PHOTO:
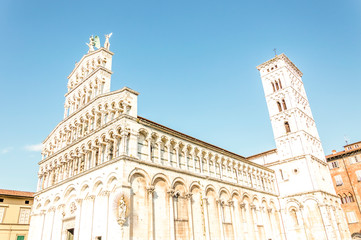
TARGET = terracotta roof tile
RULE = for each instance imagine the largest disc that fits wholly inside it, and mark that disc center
(16, 193)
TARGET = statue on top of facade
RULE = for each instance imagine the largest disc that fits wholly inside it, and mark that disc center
(91, 44)
(107, 44)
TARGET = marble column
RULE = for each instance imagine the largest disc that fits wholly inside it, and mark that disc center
(150, 191)
(190, 219)
(171, 213)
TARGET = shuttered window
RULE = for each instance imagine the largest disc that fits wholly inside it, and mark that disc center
(358, 174)
(24, 216)
(338, 180)
(351, 217)
(2, 213)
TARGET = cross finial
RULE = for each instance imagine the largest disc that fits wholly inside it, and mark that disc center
(275, 50)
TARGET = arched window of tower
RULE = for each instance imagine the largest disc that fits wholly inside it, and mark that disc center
(294, 218)
(273, 87)
(279, 81)
(284, 104)
(277, 87)
(279, 106)
(287, 127)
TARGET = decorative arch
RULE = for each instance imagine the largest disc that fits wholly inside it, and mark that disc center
(141, 172)
(160, 176)
(179, 180)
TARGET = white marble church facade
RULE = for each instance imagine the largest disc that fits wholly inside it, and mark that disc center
(107, 173)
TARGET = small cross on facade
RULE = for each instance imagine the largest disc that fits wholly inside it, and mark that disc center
(275, 50)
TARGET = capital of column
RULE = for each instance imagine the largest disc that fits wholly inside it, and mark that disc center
(90, 197)
(189, 195)
(242, 205)
(220, 202)
(150, 190)
(230, 203)
(61, 206)
(171, 192)
(124, 133)
(52, 209)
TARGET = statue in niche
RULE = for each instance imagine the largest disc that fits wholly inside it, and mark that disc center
(107, 44)
(122, 210)
(91, 44)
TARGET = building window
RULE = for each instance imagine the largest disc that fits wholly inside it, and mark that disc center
(27, 202)
(2, 214)
(279, 106)
(279, 81)
(284, 104)
(342, 200)
(287, 127)
(1, 200)
(350, 197)
(273, 87)
(351, 217)
(24, 216)
(334, 165)
(358, 174)
(338, 180)
(353, 159)
(277, 87)
(281, 173)
(20, 237)
(70, 234)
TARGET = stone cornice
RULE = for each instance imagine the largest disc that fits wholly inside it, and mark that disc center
(293, 109)
(283, 57)
(87, 55)
(91, 74)
(299, 131)
(309, 192)
(279, 162)
(342, 154)
(88, 104)
(200, 143)
(151, 164)
(262, 153)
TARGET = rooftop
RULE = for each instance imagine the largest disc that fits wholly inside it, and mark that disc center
(16, 193)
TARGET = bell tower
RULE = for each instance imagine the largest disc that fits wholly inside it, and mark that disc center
(301, 159)
(304, 181)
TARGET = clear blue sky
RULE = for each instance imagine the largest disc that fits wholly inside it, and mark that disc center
(193, 62)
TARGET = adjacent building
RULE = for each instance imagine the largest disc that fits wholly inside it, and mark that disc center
(345, 168)
(108, 173)
(15, 209)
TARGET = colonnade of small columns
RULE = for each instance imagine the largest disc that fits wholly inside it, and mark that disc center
(260, 214)
(83, 72)
(200, 160)
(84, 158)
(83, 125)
(83, 96)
